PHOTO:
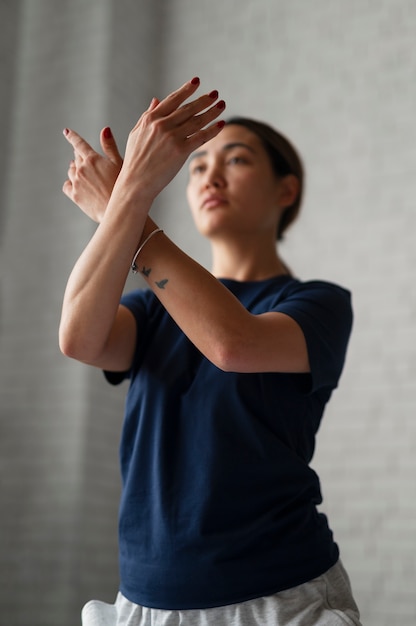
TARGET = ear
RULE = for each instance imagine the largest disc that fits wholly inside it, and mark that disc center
(288, 190)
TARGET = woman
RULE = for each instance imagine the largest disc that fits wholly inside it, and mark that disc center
(229, 371)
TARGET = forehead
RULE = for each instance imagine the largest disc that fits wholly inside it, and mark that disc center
(231, 136)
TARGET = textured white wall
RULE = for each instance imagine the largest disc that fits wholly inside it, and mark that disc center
(84, 64)
(338, 78)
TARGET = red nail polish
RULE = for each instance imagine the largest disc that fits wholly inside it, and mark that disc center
(220, 104)
(213, 94)
(107, 133)
(195, 81)
(221, 124)
(66, 131)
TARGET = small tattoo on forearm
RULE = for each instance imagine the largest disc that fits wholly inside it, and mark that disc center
(161, 283)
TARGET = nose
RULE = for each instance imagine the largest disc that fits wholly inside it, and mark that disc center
(214, 178)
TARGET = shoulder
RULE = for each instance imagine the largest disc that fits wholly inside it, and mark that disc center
(318, 287)
(318, 294)
(324, 312)
(283, 292)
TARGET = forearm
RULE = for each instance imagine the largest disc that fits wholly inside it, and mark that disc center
(215, 321)
(96, 283)
(157, 148)
(208, 313)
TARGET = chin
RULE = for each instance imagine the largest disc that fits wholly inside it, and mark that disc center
(216, 221)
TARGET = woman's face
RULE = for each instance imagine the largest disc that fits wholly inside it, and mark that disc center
(232, 187)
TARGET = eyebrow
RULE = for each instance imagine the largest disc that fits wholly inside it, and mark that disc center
(228, 146)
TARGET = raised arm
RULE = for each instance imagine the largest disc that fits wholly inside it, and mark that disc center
(94, 328)
(214, 320)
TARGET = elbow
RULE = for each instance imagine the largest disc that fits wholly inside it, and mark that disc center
(69, 347)
(226, 356)
(65, 342)
(72, 344)
(229, 349)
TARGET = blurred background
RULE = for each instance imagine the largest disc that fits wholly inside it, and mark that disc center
(339, 79)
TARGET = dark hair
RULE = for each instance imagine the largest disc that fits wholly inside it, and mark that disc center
(284, 159)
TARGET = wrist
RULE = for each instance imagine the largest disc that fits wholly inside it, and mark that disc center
(148, 227)
(143, 242)
(132, 190)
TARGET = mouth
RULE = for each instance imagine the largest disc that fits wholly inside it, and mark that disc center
(213, 201)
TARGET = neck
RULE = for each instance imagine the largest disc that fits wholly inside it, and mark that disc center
(246, 262)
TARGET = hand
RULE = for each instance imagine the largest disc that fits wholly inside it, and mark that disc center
(91, 176)
(164, 137)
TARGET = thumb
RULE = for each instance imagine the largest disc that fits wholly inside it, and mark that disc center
(109, 146)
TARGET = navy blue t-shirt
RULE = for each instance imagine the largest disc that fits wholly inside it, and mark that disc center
(219, 502)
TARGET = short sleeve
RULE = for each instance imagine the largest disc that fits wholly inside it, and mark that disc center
(324, 312)
(137, 302)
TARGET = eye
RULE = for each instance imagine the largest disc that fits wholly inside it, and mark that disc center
(197, 168)
(237, 160)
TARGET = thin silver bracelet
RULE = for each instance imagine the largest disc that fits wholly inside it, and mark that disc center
(133, 265)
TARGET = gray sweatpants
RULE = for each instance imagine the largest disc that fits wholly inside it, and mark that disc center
(323, 601)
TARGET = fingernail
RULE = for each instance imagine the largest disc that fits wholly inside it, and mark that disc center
(221, 124)
(220, 104)
(195, 81)
(213, 94)
(107, 133)
(65, 131)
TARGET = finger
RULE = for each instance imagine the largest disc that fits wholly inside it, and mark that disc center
(198, 122)
(154, 103)
(67, 188)
(176, 98)
(199, 138)
(109, 146)
(192, 109)
(209, 116)
(77, 142)
(71, 171)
